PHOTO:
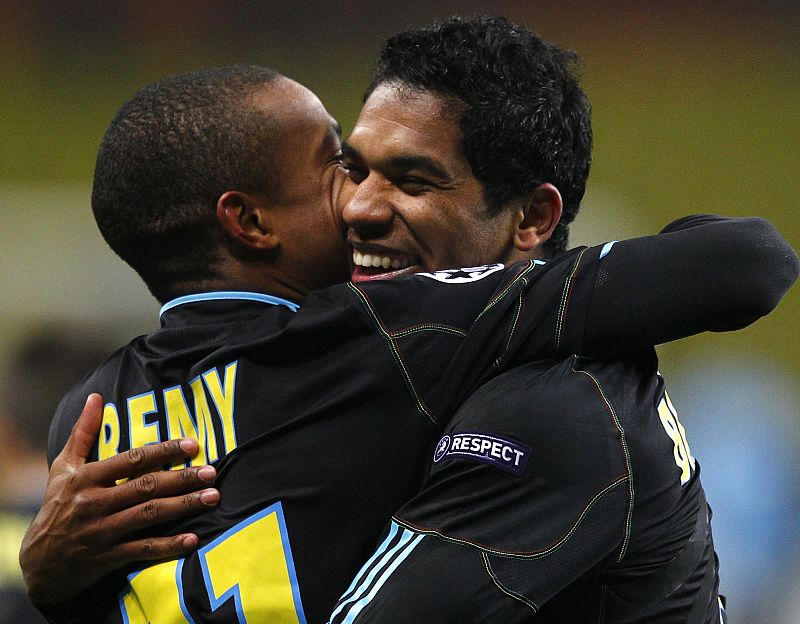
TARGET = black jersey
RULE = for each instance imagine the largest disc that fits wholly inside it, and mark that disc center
(560, 492)
(320, 420)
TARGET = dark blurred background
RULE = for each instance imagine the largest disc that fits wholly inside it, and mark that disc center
(696, 108)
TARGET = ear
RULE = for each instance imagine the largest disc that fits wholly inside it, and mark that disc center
(245, 219)
(538, 217)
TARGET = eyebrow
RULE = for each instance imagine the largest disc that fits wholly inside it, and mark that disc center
(334, 134)
(403, 162)
(350, 151)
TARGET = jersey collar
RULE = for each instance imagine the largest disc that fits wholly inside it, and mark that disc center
(229, 295)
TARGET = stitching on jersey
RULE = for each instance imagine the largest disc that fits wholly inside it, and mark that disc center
(603, 591)
(513, 328)
(519, 278)
(503, 588)
(398, 358)
(445, 329)
(562, 308)
(517, 555)
(626, 453)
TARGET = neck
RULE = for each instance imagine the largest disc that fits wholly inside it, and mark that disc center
(259, 277)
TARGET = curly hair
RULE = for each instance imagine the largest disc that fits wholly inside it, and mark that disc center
(525, 119)
(169, 153)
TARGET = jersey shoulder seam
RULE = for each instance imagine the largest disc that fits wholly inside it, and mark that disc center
(395, 353)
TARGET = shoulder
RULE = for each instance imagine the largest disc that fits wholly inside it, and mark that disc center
(537, 446)
(461, 292)
(549, 401)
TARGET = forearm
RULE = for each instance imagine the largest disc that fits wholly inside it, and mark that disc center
(702, 273)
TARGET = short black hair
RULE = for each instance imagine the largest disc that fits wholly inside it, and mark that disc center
(526, 120)
(169, 153)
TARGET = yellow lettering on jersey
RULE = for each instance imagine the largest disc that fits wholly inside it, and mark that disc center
(205, 426)
(675, 430)
(142, 432)
(182, 421)
(223, 399)
(108, 444)
(180, 424)
(252, 563)
(153, 596)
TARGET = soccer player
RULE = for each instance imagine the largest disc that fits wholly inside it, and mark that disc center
(292, 455)
(563, 489)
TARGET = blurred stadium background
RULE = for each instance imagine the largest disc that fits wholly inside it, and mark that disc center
(696, 108)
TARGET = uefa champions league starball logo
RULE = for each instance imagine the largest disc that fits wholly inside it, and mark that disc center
(441, 448)
(462, 276)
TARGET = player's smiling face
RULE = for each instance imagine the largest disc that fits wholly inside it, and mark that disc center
(411, 202)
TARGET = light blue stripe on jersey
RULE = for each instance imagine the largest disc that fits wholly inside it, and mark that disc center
(390, 558)
(230, 295)
(408, 546)
(346, 595)
(606, 248)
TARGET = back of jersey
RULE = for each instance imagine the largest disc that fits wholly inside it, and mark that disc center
(320, 423)
(294, 436)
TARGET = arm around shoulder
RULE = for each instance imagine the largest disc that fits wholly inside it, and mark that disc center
(759, 259)
(770, 265)
(701, 273)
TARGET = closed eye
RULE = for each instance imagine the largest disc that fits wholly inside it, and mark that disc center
(413, 185)
(354, 172)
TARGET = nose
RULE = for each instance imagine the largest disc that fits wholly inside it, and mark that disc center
(368, 210)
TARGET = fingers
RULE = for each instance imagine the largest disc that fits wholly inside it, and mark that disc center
(85, 431)
(157, 485)
(157, 511)
(138, 461)
(151, 549)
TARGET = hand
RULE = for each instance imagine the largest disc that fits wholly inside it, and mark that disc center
(84, 528)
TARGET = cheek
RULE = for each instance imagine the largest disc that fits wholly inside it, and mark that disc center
(448, 235)
(341, 191)
(325, 256)
(344, 191)
(474, 240)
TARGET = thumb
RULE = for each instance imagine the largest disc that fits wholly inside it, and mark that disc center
(85, 431)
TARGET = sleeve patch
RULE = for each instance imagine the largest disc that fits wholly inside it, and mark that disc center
(503, 453)
(606, 248)
(464, 275)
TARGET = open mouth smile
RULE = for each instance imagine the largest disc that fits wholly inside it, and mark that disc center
(376, 265)
(367, 260)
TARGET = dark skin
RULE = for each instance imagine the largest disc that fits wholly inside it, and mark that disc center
(411, 201)
(269, 249)
(89, 519)
(82, 500)
(399, 193)
(286, 242)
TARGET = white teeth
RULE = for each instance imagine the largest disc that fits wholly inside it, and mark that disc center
(375, 261)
